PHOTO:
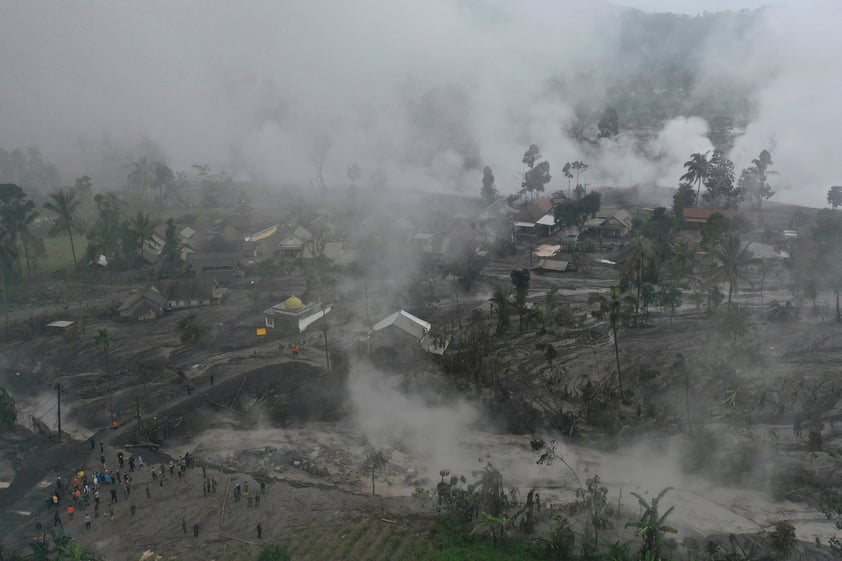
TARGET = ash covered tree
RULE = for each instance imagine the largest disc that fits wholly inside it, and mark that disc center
(520, 281)
(501, 302)
(354, 174)
(568, 173)
(141, 176)
(214, 185)
(685, 197)
(8, 411)
(162, 178)
(489, 193)
(537, 173)
(171, 252)
(753, 182)
(610, 306)
(579, 167)
(140, 228)
(735, 262)
(17, 214)
(8, 256)
(609, 123)
(374, 462)
(110, 235)
(720, 191)
(762, 163)
(834, 196)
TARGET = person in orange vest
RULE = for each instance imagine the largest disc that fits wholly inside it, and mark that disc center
(70, 511)
(114, 424)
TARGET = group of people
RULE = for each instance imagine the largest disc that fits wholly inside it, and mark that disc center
(252, 500)
(81, 489)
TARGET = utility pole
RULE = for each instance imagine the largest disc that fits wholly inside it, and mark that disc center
(139, 421)
(365, 290)
(58, 394)
(324, 335)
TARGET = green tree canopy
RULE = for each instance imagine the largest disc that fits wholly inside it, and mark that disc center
(834, 196)
(8, 412)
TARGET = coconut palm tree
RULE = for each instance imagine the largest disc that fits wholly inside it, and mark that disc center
(64, 205)
(8, 255)
(162, 176)
(27, 218)
(735, 261)
(142, 227)
(684, 255)
(18, 218)
(698, 170)
(610, 305)
(501, 300)
(642, 259)
(101, 340)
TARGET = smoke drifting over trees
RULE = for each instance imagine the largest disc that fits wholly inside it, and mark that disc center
(429, 93)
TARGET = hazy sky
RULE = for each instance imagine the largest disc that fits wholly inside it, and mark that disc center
(694, 6)
(426, 92)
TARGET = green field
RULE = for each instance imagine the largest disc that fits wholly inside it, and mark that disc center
(59, 255)
(379, 540)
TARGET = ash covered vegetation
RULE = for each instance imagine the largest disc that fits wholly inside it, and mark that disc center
(541, 281)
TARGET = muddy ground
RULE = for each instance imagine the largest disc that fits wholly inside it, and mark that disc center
(719, 427)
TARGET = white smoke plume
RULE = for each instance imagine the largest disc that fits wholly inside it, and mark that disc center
(427, 92)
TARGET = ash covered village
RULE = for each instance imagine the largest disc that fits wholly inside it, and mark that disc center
(611, 334)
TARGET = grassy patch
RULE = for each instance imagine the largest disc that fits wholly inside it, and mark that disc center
(448, 542)
(59, 255)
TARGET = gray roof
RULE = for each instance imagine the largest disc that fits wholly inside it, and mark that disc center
(404, 321)
(552, 265)
(151, 295)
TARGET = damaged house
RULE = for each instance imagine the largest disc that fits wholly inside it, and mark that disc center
(143, 305)
(402, 330)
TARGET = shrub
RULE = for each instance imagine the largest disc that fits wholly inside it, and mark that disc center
(8, 412)
(783, 538)
(274, 552)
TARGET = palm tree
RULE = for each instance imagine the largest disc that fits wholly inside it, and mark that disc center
(25, 219)
(684, 255)
(734, 263)
(142, 227)
(501, 301)
(609, 305)
(101, 340)
(64, 205)
(642, 259)
(698, 170)
(162, 176)
(8, 255)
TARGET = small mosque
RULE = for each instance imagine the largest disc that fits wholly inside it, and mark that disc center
(293, 315)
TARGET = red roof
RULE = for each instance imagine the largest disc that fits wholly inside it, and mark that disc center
(704, 214)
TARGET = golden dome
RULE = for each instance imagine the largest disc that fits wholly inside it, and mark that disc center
(293, 303)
